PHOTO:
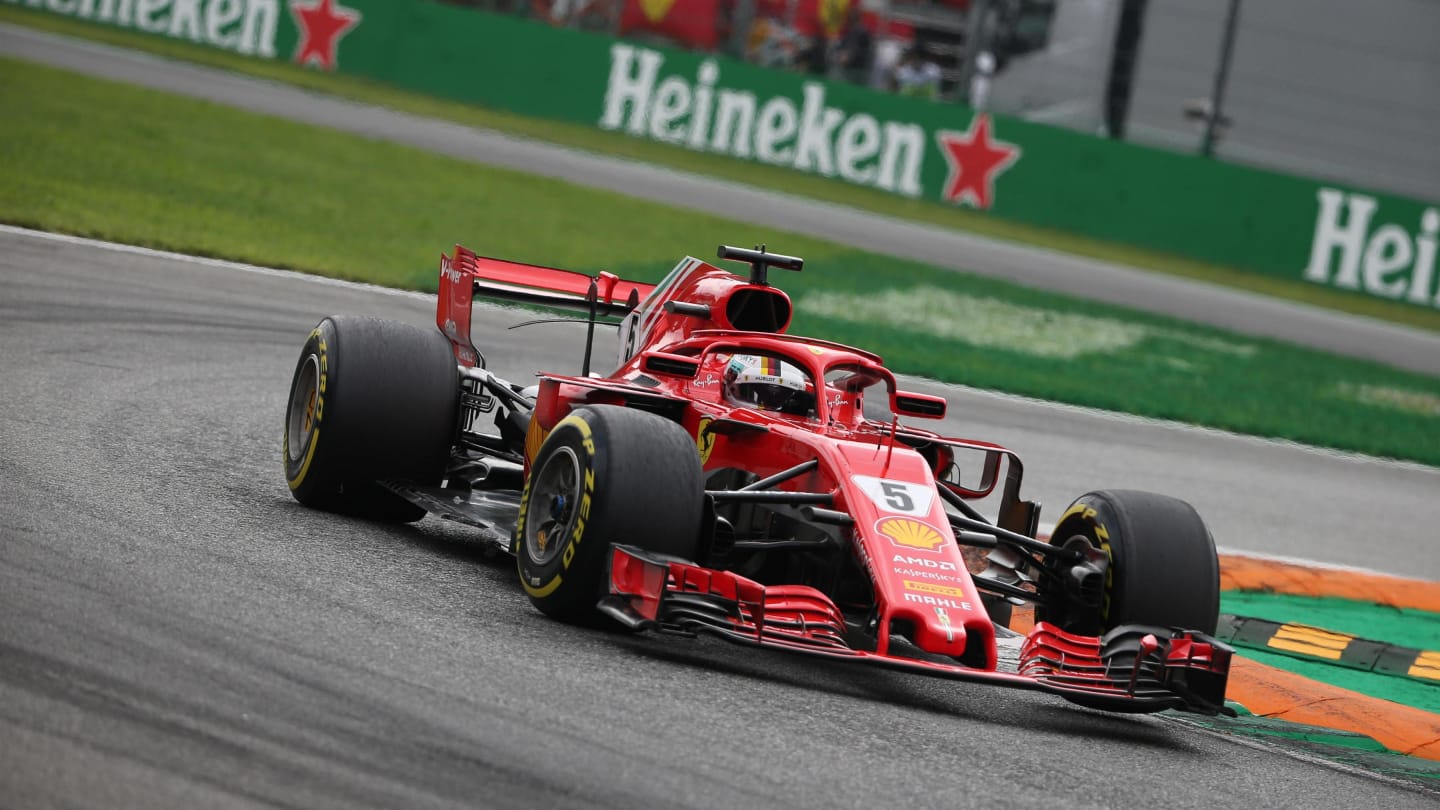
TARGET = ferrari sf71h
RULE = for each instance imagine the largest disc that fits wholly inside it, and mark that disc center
(728, 478)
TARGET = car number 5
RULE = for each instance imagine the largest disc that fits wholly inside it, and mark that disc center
(897, 496)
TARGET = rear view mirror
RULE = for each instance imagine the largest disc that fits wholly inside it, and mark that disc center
(923, 406)
(972, 472)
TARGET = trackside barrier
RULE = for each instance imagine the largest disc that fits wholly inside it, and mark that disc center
(1276, 224)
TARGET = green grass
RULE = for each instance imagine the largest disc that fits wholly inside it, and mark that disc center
(86, 156)
(793, 182)
(139, 166)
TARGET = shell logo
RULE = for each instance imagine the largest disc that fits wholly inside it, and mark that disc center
(910, 533)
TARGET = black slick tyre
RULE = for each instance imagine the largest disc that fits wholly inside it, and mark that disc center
(370, 399)
(604, 475)
(1162, 571)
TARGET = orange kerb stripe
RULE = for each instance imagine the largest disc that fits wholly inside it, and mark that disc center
(1272, 692)
(1022, 618)
(1238, 573)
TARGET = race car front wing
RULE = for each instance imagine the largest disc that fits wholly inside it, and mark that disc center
(1132, 668)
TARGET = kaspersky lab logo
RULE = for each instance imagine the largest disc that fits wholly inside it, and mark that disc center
(1385, 259)
(241, 26)
(806, 134)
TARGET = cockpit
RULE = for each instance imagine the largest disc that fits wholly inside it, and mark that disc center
(763, 379)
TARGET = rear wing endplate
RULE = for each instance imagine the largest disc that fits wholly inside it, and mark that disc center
(467, 274)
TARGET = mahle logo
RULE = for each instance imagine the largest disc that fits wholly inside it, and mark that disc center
(810, 136)
(1388, 260)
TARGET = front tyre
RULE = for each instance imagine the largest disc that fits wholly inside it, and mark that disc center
(370, 399)
(1162, 567)
(604, 475)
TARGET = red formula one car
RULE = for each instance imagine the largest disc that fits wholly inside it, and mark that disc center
(726, 479)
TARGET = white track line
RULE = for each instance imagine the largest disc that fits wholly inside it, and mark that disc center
(1301, 562)
(223, 264)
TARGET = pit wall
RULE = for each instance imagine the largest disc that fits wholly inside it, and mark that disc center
(1275, 224)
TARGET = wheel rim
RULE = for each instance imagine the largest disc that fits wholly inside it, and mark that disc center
(554, 494)
(1071, 613)
(304, 399)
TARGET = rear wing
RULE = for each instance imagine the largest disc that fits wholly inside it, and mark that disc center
(465, 275)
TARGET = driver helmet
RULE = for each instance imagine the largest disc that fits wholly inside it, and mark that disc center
(759, 381)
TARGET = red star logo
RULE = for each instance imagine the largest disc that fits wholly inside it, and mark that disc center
(975, 161)
(321, 27)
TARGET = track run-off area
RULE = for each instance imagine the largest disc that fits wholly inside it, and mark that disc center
(178, 632)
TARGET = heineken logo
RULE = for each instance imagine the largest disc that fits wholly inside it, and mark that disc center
(1352, 250)
(241, 26)
(807, 133)
(704, 115)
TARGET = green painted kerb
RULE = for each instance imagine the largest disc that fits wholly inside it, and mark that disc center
(1414, 629)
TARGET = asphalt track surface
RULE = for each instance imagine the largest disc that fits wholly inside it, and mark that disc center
(177, 632)
(1403, 347)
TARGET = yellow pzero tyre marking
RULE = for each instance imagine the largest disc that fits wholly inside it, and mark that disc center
(1104, 535)
(1089, 515)
(582, 426)
(587, 439)
(542, 591)
(1081, 509)
(309, 454)
(314, 411)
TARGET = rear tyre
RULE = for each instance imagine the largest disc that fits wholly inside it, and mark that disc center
(370, 399)
(604, 475)
(1162, 571)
